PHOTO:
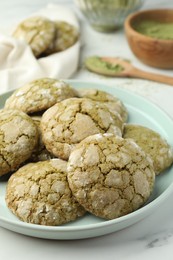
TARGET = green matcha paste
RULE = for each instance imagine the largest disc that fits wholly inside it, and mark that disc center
(96, 63)
(154, 29)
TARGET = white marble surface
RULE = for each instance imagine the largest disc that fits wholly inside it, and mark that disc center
(151, 238)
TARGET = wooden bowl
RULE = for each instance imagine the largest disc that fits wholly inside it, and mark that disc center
(151, 51)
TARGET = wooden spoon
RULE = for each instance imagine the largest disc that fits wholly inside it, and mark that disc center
(128, 70)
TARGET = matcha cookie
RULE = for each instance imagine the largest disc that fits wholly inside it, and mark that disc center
(110, 176)
(66, 36)
(153, 144)
(38, 32)
(68, 122)
(39, 193)
(113, 103)
(38, 95)
(18, 139)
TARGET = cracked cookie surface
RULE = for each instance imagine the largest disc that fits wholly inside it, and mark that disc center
(68, 122)
(66, 35)
(18, 139)
(153, 144)
(110, 176)
(39, 193)
(112, 102)
(38, 95)
(38, 32)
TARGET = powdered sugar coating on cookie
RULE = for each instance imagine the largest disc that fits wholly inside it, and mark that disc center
(113, 103)
(39, 95)
(68, 122)
(38, 32)
(110, 176)
(66, 35)
(39, 193)
(18, 139)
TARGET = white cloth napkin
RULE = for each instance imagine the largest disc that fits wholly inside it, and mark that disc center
(18, 64)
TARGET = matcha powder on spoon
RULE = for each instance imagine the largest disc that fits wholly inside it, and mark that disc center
(95, 63)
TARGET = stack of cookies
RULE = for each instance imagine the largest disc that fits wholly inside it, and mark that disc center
(72, 151)
(45, 36)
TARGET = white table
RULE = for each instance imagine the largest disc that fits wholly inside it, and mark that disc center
(151, 238)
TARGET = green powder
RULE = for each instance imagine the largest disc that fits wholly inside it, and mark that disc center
(154, 29)
(96, 63)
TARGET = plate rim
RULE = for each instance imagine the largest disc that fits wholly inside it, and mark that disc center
(144, 209)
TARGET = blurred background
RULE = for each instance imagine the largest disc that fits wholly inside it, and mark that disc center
(18, 9)
(92, 42)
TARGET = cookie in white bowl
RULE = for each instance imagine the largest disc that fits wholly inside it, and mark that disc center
(38, 32)
(66, 36)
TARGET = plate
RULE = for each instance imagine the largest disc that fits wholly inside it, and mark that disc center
(142, 112)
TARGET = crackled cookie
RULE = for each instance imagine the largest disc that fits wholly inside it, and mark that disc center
(112, 102)
(66, 36)
(39, 193)
(40, 153)
(110, 176)
(38, 95)
(18, 139)
(153, 144)
(68, 122)
(38, 32)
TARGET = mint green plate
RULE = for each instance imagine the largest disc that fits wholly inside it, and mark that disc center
(142, 112)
